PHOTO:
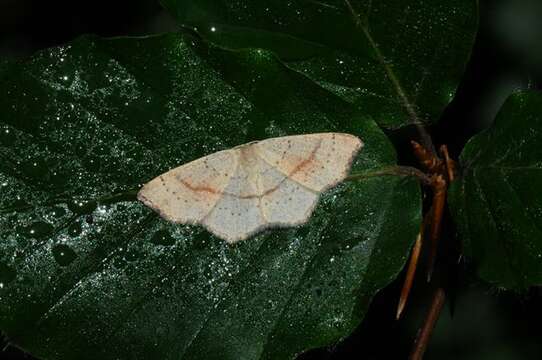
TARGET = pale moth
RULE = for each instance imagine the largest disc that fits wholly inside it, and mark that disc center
(238, 192)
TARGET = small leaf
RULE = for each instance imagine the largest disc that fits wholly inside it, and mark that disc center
(110, 279)
(497, 202)
(398, 61)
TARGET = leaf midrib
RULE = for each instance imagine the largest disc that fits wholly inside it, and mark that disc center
(407, 104)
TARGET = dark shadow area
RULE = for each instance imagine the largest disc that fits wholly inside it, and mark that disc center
(30, 25)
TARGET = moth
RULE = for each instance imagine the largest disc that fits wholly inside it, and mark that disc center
(239, 192)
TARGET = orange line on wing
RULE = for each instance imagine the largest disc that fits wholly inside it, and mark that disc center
(199, 188)
(307, 161)
(298, 168)
(214, 191)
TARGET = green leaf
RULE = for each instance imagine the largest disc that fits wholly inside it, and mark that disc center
(497, 202)
(398, 61)
(4, 67)
(88, 272)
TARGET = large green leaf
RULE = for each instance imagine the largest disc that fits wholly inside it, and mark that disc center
(399, 61)
(4, 64)
(88, 272)
(497, 202)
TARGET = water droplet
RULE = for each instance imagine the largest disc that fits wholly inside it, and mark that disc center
(75, 229)
(58, 211)
(162, 237)
(318, 292)
(161, 331)
(120, 260)
(19, 203)
(131, 255)
(7, 137)
(201, 240)
(7, 274)
(57, 178)
(92, 162)
(39, 229)
(36, 168)
(63, 254)
(303, 231)
(82, 206)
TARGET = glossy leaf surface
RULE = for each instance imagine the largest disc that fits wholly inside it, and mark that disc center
(398, 61)
(88, 272)
(497, 202)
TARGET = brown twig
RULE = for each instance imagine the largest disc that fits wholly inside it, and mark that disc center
(441, 172)
(412, 265)
(450, 164)
(439, 186)
(424, 335)
(429, 161)
(411, 270)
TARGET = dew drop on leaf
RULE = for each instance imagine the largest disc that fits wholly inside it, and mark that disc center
(92, 163)
(7, 136)
(75, 229)
(18, 203)
(63, 254)
(303, 231)
(36, 168)
(120, 262)
(131, 255)
(58, 211)
(7, 275)
(39, 229)
(82, 206)
(318, 292)
(162, 237)
(57, 179)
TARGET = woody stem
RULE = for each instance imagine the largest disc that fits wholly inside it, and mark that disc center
(439, 298)
(439, 186)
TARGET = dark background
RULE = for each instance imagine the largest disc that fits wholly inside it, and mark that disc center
(487, 323)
